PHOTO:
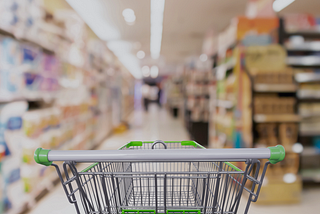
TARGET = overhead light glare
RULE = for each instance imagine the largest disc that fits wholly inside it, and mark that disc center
(157, 10)
(129, 16)
(203, 57)
(93, 13)
(141, 54)
(145, 71)
(154, 72)
(279, 5)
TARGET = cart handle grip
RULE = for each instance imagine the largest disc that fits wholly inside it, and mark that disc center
(41, 156)
(277, 154)
(274, 154)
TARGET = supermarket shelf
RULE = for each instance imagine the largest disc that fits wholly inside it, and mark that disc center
(36, 43)
(309, 133)
(47, 98)
(310, 175)
(265, 118)
(223, 68)
(307, 46)
(224, 103)
(309, 151)
(308, 115)
(47, 184)
(311, 34)
(303, 60)
(275, 87)
(307, 77)
(308, 95)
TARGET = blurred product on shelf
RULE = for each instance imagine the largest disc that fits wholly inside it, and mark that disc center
(255, 103)
(272, 104)
(300, 36)
(174, 97)
(60, 88)
(197, 84)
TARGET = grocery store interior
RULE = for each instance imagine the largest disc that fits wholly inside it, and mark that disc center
(101, 75)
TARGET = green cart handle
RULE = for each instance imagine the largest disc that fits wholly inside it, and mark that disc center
(274, 154)
(277, 154)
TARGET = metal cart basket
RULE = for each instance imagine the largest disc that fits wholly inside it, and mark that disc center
(161, 177)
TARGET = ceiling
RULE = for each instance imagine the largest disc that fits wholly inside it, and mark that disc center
(303, 6)
(184, 26)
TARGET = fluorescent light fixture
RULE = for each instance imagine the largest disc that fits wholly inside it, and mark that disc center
(154, 71)
(203, 57)
(145, 71)
(278, 5)
(122, 50)
(157, 10)
(94, 14)
(141, 54)
(129, 16)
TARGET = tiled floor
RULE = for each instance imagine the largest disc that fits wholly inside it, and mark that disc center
(160, 125)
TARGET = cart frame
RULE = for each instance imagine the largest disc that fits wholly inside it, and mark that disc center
(151, 182)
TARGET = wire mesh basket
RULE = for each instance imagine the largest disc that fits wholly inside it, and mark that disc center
(160, 177)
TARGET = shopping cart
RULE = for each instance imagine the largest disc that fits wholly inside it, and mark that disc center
(160, 177)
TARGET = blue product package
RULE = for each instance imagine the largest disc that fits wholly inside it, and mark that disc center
(316, 143)
(10, 52)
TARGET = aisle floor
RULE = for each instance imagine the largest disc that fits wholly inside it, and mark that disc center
(158, 124)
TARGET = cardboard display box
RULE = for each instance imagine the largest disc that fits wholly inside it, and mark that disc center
(277, 191)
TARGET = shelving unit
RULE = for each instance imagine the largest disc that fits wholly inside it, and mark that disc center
(197, 85)
(304, 57)
(255, 105)
(274, 87)
(68, 103)
(276, 118)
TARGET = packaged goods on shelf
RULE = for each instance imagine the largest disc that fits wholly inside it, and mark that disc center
(271, 104)
(273, 78)
(11, 143)
(309, 109)
(300, 22)
(309, 90)
(258, 58)
(49, 65)
(267, 134)
(288, 134)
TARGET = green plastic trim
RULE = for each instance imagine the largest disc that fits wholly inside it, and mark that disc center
(134, 143)
(183, 211)
(233, 166)
(41, 156)
(89, 167)
(189, 143)
(277, 154)
(137, 211)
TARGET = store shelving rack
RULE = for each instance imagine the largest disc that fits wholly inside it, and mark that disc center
(301, 57)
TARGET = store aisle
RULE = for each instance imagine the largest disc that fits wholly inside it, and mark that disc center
(156, 124)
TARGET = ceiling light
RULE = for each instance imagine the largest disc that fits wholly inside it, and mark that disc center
(93, 13)
(203, 57)
(141, 54)
(157, 9)
(278, 5)
(129, 16)
(145, 71)
(154, 72)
